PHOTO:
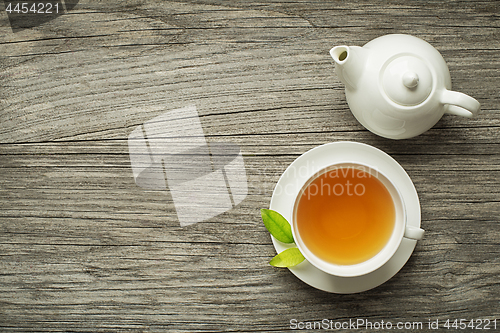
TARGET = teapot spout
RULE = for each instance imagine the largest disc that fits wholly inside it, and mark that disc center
(349, 63)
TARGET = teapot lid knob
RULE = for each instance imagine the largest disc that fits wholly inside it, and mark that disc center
(406, 80)
(410, 80)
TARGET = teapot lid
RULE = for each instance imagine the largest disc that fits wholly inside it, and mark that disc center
(407, 80)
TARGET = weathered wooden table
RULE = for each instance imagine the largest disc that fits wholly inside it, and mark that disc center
(83, 248)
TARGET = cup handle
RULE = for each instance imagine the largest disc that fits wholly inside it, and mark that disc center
(413, 233)
(459, 103)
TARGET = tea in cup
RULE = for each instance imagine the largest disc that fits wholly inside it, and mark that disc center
(349, 219)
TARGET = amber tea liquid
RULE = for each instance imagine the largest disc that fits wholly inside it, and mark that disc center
(345, 216)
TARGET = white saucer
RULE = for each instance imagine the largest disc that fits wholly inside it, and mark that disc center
(318, 158)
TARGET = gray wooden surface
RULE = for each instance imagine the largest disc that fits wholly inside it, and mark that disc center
(83, 249)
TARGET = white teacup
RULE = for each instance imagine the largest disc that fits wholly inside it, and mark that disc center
(401, 228)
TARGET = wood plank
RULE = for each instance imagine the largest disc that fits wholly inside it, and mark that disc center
(82, 248)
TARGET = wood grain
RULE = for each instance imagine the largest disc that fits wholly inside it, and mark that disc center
(83, 249)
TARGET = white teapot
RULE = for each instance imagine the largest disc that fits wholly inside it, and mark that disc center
(398, 86)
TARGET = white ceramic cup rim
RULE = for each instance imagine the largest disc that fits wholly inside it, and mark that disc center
(383, 255)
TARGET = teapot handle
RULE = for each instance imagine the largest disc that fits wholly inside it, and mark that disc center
(459, 103)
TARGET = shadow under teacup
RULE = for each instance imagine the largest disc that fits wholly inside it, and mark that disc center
(349, 219)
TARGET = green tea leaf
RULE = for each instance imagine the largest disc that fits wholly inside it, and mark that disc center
(277, 225)
(287, 258)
